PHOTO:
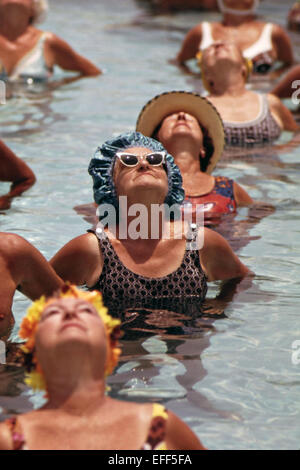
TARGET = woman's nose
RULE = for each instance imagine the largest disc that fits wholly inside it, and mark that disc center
(181, 115)
(218, 44)
(143, 163)
(70, 313)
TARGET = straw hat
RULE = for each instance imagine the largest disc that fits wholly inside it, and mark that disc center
(154, 112)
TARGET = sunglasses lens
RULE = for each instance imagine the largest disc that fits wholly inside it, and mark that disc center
(129, 160)
(154, 158)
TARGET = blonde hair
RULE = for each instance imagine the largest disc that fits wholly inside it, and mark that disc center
(34, 376)
(40, 9)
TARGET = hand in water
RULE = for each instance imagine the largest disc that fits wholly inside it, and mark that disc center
(5, 202)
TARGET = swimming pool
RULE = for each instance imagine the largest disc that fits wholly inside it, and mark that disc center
(232, 380)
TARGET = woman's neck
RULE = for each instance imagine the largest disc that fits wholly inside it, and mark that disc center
(228, 84)
(237, 20)
(186, 153)
(73, 372)
(142, 224)
(85, 398)
(12, 29)
(137, 214)
(187, 162)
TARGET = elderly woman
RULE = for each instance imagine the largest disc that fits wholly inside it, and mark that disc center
(27, 53)
(71, 346)
(249, 117)
(191, 130)
(263, 43)
(144, 261)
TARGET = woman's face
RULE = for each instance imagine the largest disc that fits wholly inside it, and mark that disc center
(69, 321)
(221, 51)
(128, 180)
(221, 58)
(179, 124)
(19, 3)
(17, 8)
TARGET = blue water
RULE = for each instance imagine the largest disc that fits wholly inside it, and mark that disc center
(232, 380)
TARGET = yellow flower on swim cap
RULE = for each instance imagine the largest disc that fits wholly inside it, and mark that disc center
(249, 66)
(35, 377)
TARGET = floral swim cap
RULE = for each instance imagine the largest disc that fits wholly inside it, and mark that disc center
(34, 376)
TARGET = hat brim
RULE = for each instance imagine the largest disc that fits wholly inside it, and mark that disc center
(154, 112)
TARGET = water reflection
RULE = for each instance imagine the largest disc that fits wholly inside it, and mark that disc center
(150, 346)
(30, 108)
(224, 364)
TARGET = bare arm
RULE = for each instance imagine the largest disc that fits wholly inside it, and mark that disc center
(284, 51)
(79, 261)
(241, 197)
(285, 89)
(31, 272)
(65, 57)
(22, 267)
(282, 114)
(15, 170)
(179, 436)
(218, 260)
(282, 45)
(190, 45)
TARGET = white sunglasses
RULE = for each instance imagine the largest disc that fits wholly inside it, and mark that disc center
(131, 160)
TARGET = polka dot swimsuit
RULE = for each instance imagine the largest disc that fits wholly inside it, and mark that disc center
(122, 287)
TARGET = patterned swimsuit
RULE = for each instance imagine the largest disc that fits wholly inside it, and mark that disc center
(155, 438)
(182, 291)
(219, 201)
(262, 130)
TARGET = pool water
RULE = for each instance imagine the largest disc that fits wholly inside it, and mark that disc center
(234, 379)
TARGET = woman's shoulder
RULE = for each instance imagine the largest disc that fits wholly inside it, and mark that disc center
(282, 114)
(164, 429)
(195, 31)
(13, 245)
(277, 30)
(86, 241)
(54, 42)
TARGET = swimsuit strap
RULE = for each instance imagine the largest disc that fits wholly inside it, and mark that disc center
(183, 289)
(33, 63)
(158, 428)
(265, 106)
(262, 45)
(190, 258)
(263, 129)
(17, 435)
(262, 114)
(207, 38)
